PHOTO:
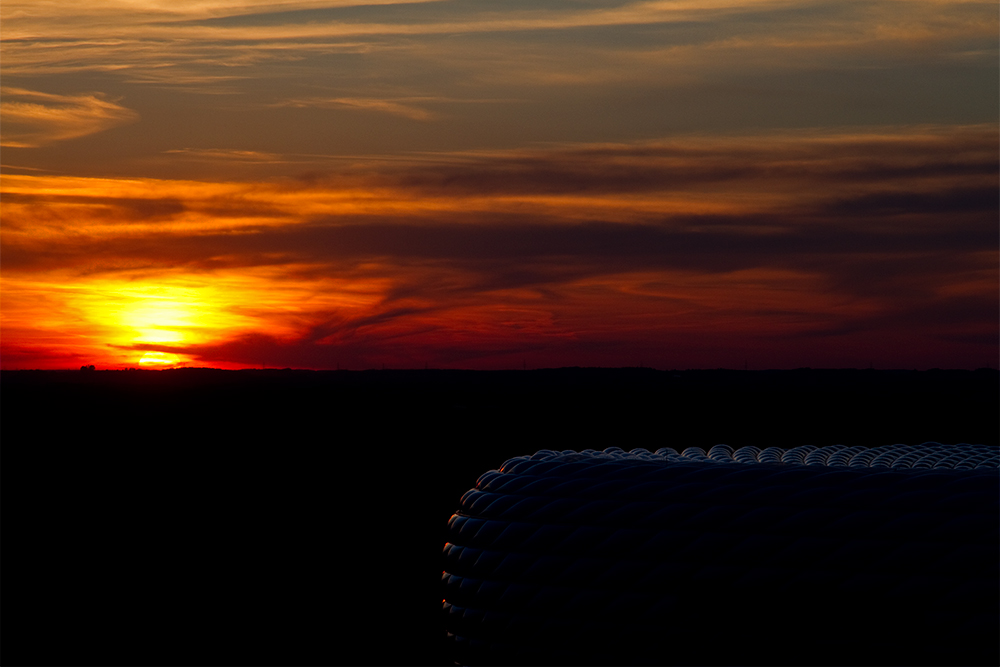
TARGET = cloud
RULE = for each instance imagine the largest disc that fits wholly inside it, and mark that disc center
(833, 237)
(776, 161)
(227, 155)
(720, 204)
(32, 119)
(611, 42)
(396, 107)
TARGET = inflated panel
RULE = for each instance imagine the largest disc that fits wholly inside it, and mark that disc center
(831, 555)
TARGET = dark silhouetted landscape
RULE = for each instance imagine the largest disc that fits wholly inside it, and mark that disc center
(297, 517)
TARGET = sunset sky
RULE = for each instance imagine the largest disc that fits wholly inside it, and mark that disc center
(499, 184)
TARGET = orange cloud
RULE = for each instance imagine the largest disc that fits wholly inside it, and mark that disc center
(797, 249)
(32, 119)
(396, 107)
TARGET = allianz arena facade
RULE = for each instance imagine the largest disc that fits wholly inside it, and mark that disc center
(810, 555)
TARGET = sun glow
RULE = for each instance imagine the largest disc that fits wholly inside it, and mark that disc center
(155, 319)
(159, 360)
(155, 315)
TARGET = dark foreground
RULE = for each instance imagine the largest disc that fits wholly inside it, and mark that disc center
(293, 517)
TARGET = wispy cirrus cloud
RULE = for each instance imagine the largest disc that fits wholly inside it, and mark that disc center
(353, 78)
(227, 155)
(404, 107)
(31, 119)
(139, 37)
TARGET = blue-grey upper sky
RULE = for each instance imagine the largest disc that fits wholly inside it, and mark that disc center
(362, 78)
